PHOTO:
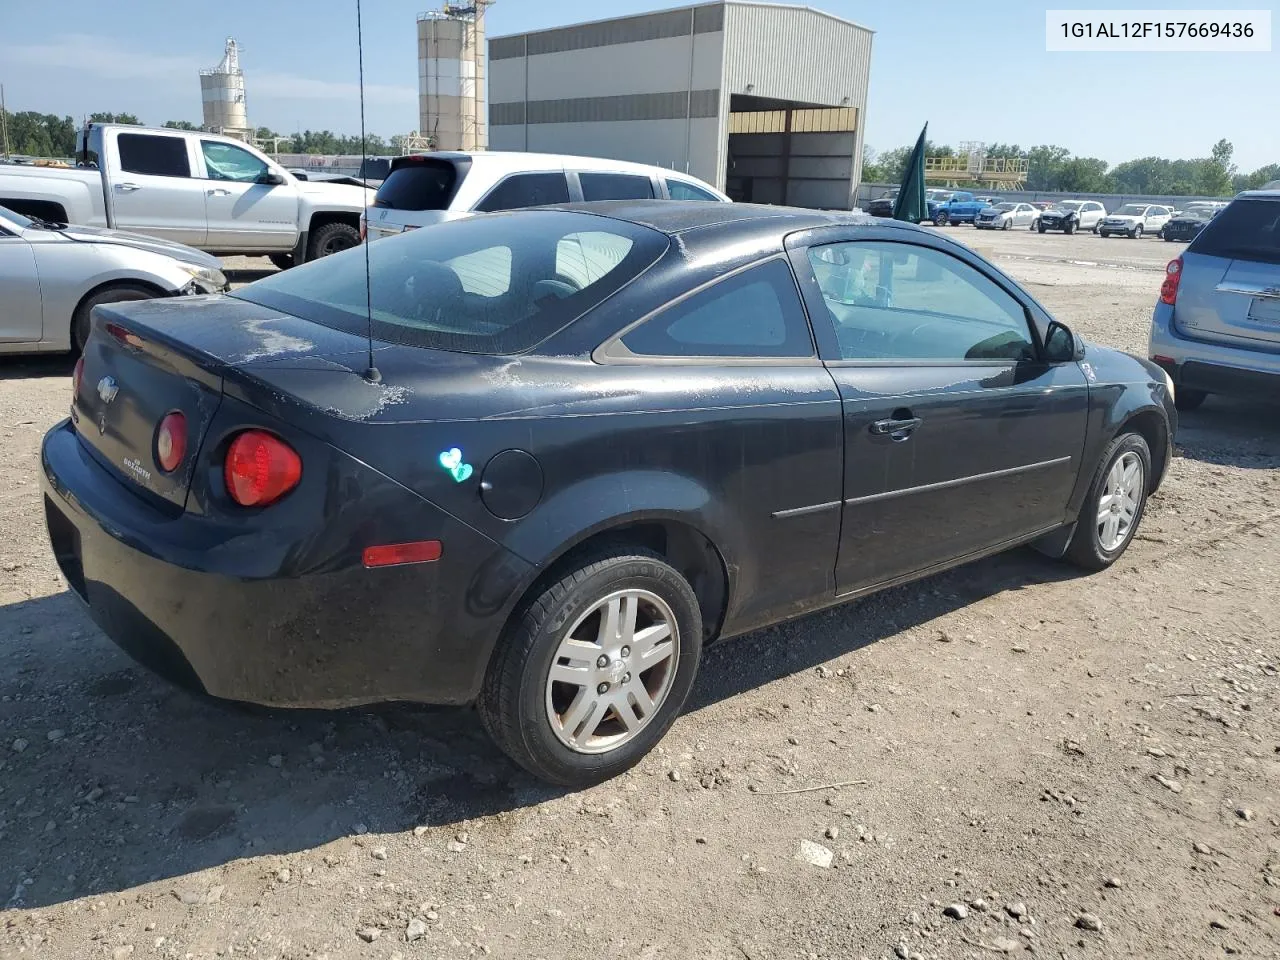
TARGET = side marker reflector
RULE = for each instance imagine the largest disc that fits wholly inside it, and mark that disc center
(394, 554)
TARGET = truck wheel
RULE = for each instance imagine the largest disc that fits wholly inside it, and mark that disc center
(590, 676)
(283, 261)
(1185, 399)
(940, 220)
(1137, 232)
(1039, 226)
(80, 321)
(332, 238)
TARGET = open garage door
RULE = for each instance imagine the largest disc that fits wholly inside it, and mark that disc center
(796, 154)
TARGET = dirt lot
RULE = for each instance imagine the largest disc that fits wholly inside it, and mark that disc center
(1086, 766)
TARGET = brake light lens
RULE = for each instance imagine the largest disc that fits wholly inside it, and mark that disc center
(260, 469)
(76, 376)
(171, 442)
(394, 554)
(1172, 276)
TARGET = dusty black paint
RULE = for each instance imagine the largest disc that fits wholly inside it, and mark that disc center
(772, 466)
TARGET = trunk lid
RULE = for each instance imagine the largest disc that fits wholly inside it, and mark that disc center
(130, 381)
(1230, 286)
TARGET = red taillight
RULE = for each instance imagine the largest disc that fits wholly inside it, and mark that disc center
(1172, 275)
(171, 442)
(76, 376)
(260, 469)
(391, 554)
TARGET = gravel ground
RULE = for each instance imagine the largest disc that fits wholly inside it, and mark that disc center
(1007, 758)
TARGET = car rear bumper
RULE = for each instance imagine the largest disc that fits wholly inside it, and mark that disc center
(269, 618)
(1211, 367)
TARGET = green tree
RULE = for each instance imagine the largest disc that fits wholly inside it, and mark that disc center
(1044, 166)
(1252, 181)
(180, 125)
(1083, 175)
(128, 118)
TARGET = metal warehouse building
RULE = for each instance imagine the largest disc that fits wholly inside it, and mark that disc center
(764, 100)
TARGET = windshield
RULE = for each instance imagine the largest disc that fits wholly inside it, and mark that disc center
(1197, 213)
(1004, 206)
(17, 219)
(494, 284)
(1132, 210)
(1248, 229)
(1068, 205)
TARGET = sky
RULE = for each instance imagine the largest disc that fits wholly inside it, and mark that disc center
(973, 72)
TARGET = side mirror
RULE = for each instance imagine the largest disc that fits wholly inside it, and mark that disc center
(270, 179)
(1059, 344)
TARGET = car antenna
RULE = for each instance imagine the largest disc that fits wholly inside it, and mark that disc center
(372, 374)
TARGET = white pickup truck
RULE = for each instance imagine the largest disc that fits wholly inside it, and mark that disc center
(210, 192)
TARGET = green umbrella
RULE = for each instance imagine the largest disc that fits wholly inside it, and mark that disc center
(910, 204)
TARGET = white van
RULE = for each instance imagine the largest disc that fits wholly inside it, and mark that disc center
(422, 189)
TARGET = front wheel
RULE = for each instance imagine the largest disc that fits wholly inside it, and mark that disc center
(1040, 227)
(1113, 508)
(1103, 234)
(593, 673)
(1094, 228)
(940, 220)
(331, 238)
(80, 322)
(1008, 225)
(1137, 232)
(1070, 228)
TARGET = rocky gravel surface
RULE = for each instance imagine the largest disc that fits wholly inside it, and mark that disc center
(1007, 759)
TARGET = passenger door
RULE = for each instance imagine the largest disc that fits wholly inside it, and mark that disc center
(152, 189)
(243, 213)
(1155, 219)
(1024, 214)
(1090, 214)
(730, 380)
(21, 318)
(958, 437)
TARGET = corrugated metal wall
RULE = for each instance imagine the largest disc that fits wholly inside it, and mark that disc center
(798, 54)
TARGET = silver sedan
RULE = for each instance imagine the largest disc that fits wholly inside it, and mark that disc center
(1005, 216)
(52, 276)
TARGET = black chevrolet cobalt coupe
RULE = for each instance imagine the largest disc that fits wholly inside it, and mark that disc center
(592, 440)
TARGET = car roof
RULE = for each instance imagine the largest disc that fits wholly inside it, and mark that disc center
(503, 161)
(681, 216)
(1263, 194)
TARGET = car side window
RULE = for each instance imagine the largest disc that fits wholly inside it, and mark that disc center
(226, 162)
(756, 313)
(526, 190)
(153, 156)
(615, 186)
(903, 301)
(680, 190)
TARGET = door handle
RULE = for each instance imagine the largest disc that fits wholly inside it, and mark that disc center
(127, 187)
(219, 192)
(898, 429)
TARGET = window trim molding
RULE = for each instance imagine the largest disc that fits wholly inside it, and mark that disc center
(616, 353)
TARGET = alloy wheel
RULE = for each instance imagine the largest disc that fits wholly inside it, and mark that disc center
(1121, 497)
(612, 671)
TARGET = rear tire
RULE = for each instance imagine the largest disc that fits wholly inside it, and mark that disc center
(1185, 399)
(119, 294)
(331, 238)
(520, 699)
(940, 220)
(283, 261)
(1113, 508)
(1008, 225)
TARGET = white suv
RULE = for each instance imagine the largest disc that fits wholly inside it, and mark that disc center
(422, 189)
(1135, 219)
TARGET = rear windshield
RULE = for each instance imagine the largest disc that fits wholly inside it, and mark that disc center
(419, 185)
(1248, 229)
(496, 284)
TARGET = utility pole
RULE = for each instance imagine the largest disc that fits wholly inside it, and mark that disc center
(4, 123)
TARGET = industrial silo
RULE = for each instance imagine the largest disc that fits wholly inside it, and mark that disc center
(451, 101)
(222, 94)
